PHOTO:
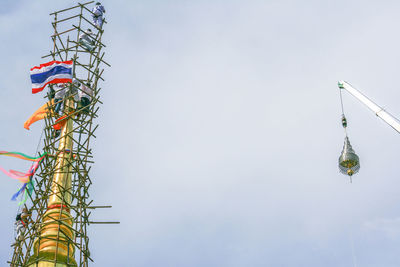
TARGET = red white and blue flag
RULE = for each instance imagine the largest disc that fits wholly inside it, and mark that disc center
(50, 72)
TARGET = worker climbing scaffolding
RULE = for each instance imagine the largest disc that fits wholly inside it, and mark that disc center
(21, 222)
(85, 98)
(56, 187)
(98, 12)
(87, 41)
(60, 91)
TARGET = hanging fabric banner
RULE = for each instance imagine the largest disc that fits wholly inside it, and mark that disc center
(40, 114)
(26, 178)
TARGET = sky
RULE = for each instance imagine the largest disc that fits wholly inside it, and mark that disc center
(220, 131)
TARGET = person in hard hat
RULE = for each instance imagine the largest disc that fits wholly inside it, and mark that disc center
(60, 90)
(21, 222)
(19, 227)
(74, 89)
(86, 40)
(51, 93)
(85, 96)
(97, 16)
(25, 215)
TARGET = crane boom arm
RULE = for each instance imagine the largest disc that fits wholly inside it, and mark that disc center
(380, 112)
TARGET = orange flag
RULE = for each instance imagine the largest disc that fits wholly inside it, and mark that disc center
(60, 122)
(39, 114)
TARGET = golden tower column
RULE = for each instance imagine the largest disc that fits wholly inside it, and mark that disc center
(54, 246)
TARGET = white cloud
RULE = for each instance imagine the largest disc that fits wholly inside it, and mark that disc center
(220, 129)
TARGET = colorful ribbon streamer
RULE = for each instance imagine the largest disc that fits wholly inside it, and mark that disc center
(28, 186)
(26, 178)
(19, 155)
(22, 177)
(26, 189)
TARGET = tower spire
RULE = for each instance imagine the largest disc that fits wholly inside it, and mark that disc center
(60, 204)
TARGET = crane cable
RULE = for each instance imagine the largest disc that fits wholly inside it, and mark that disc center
(344, 120)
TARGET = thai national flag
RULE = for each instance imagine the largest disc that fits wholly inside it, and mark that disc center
(51, 72)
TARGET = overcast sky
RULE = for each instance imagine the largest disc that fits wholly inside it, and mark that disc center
(220, 131)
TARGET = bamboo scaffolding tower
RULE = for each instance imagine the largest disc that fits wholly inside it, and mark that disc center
(61, 205)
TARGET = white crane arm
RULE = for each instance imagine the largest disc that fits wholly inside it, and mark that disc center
(380, 112)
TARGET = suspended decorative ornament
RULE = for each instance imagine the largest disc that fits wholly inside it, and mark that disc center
(349, 163)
